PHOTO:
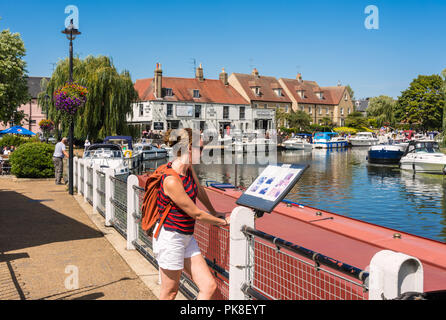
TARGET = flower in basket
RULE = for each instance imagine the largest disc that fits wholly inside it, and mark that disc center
(46, 125)
(70, 98)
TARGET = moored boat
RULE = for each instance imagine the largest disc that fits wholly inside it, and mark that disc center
(386, 153)
(363, 139)
(424, 156)
(328, 140)
(106, 156)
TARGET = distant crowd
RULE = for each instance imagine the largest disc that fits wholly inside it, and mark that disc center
(8, 150)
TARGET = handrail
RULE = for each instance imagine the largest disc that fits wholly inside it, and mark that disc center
(318, 258)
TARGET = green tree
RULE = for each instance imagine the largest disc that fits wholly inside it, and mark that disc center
(298, 119)
(422, 103)
(13, 84)
(356, 120)
(350, 92)
(110, 98)
(382, 109)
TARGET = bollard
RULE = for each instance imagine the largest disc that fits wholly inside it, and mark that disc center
(109, 209)
(238, 252)
(392, 274)
(132, 224)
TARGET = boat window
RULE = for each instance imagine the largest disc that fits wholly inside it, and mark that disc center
(147, 148)
(429, 147)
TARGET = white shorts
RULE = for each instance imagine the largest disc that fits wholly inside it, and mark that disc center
(171, 248)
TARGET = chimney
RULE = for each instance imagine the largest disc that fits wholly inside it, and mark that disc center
(158, 81)
(255, 73)
(339, 83)
(224, 77)
(199, 73)
(299, 77)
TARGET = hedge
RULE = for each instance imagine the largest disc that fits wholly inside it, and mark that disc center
(15, 140)
(33, 160)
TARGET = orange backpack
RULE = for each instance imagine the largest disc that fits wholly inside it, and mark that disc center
(149, 211)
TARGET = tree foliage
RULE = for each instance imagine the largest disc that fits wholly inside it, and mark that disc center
(13, 84)
(298, 119)
(110, 98)
(422, 103)
(356, 120)
(382, 109)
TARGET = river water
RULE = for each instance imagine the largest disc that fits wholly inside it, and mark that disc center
(342, 182)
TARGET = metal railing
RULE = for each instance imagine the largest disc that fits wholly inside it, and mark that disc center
(101, 192)
(90, 185)
(119, 202)
(286, 271)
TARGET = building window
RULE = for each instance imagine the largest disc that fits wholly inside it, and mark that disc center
(141, 110)
(342, 111)
(320, 111)
(346, 97)
(278, 92)
(302, 108)
(256, 105)
(349, 111)
(301, 93)
(265, 106)
(225, 112)
(327, 111)
(256, 90)
(169, 92)
(197, 111)
(196, 93)
(310, 110)
(242, 113)
(169, 112)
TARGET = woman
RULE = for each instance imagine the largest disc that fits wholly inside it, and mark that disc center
(175, 248)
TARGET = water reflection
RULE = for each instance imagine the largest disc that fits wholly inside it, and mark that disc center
(343, 182)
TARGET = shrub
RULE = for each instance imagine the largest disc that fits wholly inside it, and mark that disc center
(346, 130)
(33, 160)
(14, 140)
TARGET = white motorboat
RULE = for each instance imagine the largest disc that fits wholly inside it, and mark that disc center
(106, 156)
(424, 156)
(363, 139)
(297, 143)
(148, 151)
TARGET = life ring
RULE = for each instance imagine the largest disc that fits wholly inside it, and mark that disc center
(128, 154)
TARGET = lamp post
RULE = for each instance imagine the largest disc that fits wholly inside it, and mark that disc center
(71, 32)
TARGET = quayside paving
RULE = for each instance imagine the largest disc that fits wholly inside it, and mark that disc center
(52, 247)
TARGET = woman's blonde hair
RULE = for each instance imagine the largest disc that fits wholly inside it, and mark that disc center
(181, 138)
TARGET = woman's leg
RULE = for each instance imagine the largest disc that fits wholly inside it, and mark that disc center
(170, 282)
(196, 266)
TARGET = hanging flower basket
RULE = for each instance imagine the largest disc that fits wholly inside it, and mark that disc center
(46, 125)
(70, 98)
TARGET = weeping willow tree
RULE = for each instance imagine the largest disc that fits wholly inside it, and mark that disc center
(110, 98)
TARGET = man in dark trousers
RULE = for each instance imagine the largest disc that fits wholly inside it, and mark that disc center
(59, 154)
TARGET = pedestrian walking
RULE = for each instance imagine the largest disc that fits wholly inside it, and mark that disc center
(58, 156)
(176, 248)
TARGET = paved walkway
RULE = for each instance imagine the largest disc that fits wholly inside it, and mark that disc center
(52, 248)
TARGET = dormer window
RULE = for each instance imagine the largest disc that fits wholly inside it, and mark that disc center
(301, 93)
(169, 92)
(278, 92)
(196, 93)
(256, 90)
(320, 95)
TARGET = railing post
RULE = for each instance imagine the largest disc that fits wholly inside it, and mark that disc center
(132, 224)
(86, 165)
(394, 273)
(240, 258)
(78, 166)
(95, 181)
(75, 173)
(109, 209)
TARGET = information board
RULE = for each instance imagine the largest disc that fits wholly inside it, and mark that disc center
(271, 186)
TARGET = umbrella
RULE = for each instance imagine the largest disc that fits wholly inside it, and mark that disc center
(18, 130)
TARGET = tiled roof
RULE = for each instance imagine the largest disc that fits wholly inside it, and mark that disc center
(331, 95)
(211, 91)
(266, 84)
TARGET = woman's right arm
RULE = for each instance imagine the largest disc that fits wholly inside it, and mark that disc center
(174, 189)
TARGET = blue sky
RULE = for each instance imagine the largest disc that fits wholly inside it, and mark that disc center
(324, 40)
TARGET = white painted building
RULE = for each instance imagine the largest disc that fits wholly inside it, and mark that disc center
(197, 103)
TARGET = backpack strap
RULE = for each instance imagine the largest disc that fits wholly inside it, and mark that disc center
(167, 172)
